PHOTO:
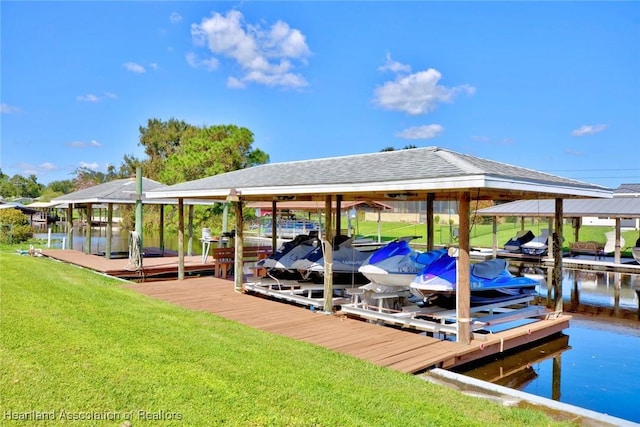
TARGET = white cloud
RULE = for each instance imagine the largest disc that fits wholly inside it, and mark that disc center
(575, 153)
(588, 130)
(9, 109)
(394, 66)
(209, 64)
(266, 56)
(90, 97)
(421, 132)
(93, 166)
(84, 144)
(235, 83)
(134, 68)
(47, 166)
(175, 18)
(417, 93)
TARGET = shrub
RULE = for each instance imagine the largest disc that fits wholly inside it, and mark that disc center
(14, 226)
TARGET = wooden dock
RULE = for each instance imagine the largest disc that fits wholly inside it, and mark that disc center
(397, 349)
(393, 347)
(120, 267)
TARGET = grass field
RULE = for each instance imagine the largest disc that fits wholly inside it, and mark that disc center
(80, 349)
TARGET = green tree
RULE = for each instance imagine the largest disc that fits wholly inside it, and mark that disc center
(26, 187)
(160, 140)
(213, 150)
(61, 187)
(7, 189)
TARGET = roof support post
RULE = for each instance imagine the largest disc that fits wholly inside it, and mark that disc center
(327, 245)
(238, 265)
(139, 207)
(463, 288)
(495, 236)
(430, 230)
(190, 232)
(107, 249)
(87, 230)
(274, 227)
(161, 229)
(70, 226)
(618, 246)
(576, 231)
(338, 214)
(556, 250)
(180, 239)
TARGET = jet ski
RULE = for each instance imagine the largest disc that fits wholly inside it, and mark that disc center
(490, 282)
(397, 263)
(346, 261)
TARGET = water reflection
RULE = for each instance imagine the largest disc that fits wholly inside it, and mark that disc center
(593, 292)
(517, 370)
(119, 240)
(594, 371)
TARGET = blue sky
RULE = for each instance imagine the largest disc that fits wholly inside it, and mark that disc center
(551, 86)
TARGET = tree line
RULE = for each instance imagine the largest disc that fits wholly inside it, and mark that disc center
(175, 150)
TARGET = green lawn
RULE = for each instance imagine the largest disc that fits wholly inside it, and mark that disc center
(76, 344)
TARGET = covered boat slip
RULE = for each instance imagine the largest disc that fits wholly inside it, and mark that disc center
(619, 208)
(425, 174)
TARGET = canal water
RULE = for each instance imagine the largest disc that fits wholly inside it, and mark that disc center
(594, 364)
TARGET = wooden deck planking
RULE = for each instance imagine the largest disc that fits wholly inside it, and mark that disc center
(385, 346)
(118, 267)
(334, 332)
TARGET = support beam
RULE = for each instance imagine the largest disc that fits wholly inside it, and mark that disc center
(555, 248)
(327, 243)
(338, 214)
(463, 287)
(161, 229)
(87, 230)
(618, 248)
(70, 226)
(180, 239)
(190, 232)
(495, 236)
(139, 208)
(274, 229)
(107, 250)
(238, 266)
(430, 227)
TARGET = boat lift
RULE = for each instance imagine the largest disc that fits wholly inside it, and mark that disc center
(433, 319)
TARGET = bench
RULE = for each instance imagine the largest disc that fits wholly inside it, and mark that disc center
(587, 248)
(224, 258)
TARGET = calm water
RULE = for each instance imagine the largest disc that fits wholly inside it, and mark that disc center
(595, 364)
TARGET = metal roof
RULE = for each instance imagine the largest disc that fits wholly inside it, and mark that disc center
(392, 175)
(627, 190)
(617, 207)
(42, 205)
(318, 205)
(119, 191)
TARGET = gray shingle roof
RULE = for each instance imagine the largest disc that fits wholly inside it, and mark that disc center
(627, 189)
(121, 191)
(422, 169)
